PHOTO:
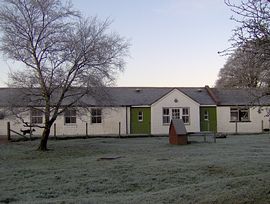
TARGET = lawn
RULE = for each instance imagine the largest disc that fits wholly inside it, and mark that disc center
(137, 170)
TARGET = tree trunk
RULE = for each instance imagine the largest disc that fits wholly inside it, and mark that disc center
(44, 138)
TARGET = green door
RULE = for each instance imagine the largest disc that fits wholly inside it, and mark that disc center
(208, 119)
(140, 120)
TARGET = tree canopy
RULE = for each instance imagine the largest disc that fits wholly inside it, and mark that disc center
(245, 69)
(249, 55)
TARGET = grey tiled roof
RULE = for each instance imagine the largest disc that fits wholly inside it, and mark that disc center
(10, 96)
(139, 96)
(117, 96)
(198, 94)
(179, 126)
(241, 97)
(136, 96)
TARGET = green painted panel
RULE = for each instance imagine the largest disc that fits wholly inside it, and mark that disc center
(208, 119)
(140, 120)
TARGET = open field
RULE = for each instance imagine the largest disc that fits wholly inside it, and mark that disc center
(137, 170)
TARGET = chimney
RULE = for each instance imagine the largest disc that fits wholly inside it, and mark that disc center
(212, 95)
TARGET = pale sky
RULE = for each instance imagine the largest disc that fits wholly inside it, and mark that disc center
(173, 42)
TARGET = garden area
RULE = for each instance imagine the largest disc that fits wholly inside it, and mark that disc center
(137, 170)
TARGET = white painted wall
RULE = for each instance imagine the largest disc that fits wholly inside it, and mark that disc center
(168, 101)
(109, 126)
(254, 126)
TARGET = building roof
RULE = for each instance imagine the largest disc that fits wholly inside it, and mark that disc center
(198, 94)
(140, 96)
(10, 95)
(240, 97)
(113, 96)
(136, 96)
(179, 126)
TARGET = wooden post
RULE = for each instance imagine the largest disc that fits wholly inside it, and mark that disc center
(86, 130)
(54, 130)
(236, 128)
(119, 129)
(8, 131)
(262, 125)
(30, 135)
(269, 125)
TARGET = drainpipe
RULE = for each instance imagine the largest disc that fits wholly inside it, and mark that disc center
(126, 120)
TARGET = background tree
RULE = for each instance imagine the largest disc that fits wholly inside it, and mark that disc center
(245, 69)
(248, 64)
(65, 55)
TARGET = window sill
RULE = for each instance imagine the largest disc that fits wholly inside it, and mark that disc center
(70, 124)
(168, 124)
(248, 121)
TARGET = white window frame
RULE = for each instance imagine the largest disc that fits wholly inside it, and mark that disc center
(96, 115)
(237, 114)
(175, 113)
(69, 117)
(186, 116)
(140, 116)
(166, 118)
(36, 116)
(206, 115)
(2, 115)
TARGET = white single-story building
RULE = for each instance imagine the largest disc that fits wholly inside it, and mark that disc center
(148, 111)
(242, 111)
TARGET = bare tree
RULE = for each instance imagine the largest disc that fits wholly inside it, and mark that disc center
(65, 55)
(253, 19)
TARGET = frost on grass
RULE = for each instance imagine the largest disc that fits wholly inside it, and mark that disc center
(143, 170)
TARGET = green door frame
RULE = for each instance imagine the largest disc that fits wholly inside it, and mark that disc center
(208, 119)
(140, 120)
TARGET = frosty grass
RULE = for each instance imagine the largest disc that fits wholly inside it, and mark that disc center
(137, 170)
